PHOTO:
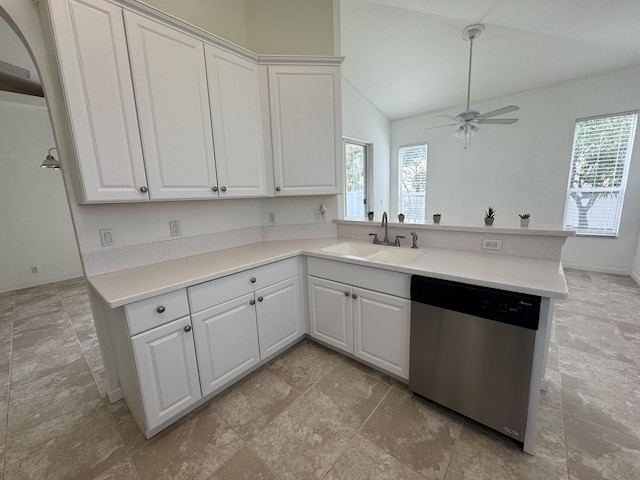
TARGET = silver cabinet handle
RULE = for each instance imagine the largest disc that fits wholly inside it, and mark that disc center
(354, 296)
(187, 328)
(144, 189)
(253, 279)
(160, 309)
(215, 189)
(252, 302)
(260, 299)
(224, 189)
(277, 189)
(346, 294)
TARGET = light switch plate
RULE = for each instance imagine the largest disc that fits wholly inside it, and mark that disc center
(491, 244)
(106, 237)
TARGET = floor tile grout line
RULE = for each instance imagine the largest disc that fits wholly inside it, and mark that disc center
(6, 432)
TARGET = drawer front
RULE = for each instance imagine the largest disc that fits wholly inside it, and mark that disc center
(209, 294)
(376, 279)
(156, 311)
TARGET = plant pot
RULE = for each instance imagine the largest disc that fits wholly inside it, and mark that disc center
(401, 217)
(524, 222)
(370, 215)
(437, 217)
(488, 220)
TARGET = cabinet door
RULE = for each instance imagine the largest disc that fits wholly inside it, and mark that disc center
(279, 316)
(381, 330)
(167, 370)
(330, 313)
(306, 129)
(226, 341)
(236, 114)
(94, 65)
(170, 84)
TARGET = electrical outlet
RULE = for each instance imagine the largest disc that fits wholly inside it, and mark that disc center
(319, 217)
(489, 244)
(272, 217)
(174, 228)
(106, 237)
(34, 269)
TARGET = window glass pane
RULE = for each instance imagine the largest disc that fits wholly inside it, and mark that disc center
(599, 165)
(356, 179)
(412, 182)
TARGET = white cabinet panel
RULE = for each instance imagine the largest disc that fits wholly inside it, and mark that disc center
(330, 313)
(236, 113)
(170, 83)
(167, 370)
(381, 330)
(92, 54)
(306, 129)
(278, 314)
(226, 341)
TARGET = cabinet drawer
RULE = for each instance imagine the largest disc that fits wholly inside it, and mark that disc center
(156, 311)
(212, 293)
(384, 281)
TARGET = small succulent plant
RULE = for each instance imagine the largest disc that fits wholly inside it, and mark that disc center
(524, 215)
(490, 212)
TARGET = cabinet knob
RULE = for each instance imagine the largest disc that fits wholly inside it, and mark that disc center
(253, 279)
(346, 294)
(224, 189)
(187, 328)
(260, 299)
(354, 296)
(215, 189)
(277, 189)
(160, 309)
(144, 189)
(252, 302)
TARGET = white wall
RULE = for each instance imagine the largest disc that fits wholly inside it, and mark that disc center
(361, 120)
(36, 224)
(524, 167)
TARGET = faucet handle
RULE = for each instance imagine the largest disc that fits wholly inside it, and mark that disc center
(397, 242)
(375, 238)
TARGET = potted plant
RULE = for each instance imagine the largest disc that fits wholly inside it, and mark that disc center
(489, 215)
(524, 219)
(370, 215)
(437, 217)
(401, 217)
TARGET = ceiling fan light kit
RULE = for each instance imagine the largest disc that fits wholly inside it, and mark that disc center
(468, 120)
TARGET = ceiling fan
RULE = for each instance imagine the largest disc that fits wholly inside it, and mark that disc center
(469, 120)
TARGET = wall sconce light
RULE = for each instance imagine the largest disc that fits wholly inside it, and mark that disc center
(50, 161)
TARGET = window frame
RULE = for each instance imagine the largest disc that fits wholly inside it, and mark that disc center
(621, 190)
(398, 177)
(368, 176)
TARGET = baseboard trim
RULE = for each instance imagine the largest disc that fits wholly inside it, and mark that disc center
(114, 395)
(636, 277)
(597, 268)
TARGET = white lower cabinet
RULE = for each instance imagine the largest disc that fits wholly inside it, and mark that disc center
(167, 370)
(370, 325)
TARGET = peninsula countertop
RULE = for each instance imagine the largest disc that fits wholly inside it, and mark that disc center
(507, 272)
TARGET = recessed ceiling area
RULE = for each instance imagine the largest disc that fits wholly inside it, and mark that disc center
(407, 56)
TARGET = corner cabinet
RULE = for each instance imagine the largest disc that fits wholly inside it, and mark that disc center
(306, 128)
(93, 60)
(370, 323)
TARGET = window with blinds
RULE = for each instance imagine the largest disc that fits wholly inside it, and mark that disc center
(599, 165)
(412, 181)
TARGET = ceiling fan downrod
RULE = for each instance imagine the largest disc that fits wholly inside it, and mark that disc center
(470, 33)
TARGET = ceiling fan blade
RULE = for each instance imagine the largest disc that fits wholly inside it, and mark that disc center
(497, 121)
(439, 126)
(446, 116)
(499, 111)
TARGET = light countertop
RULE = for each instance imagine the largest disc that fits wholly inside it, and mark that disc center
(519, 274)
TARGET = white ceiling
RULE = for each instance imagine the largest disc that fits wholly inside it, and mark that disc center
(407, 56)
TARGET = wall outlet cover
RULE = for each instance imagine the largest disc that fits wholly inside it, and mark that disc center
(272, 217)
(491, 244)
(174, 228)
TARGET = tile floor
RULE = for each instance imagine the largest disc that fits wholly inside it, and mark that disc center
(312, 413)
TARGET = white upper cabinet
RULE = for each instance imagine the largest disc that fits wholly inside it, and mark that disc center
(306, 128)
(234, 96)
(92, 55)
(170, 82)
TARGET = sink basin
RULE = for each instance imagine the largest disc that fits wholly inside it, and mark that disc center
(351, 248)
(376, 253)
(395, 255)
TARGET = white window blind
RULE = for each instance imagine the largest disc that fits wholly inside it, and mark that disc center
(412, 181)
(599, 165)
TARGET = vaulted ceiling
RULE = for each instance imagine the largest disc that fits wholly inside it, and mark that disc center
(407, 56)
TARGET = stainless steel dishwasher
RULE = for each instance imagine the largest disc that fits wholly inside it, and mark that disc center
(472, 350)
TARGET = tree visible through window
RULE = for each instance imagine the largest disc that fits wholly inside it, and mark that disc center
(355, 156)
(599, 165)
(412, 181)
